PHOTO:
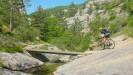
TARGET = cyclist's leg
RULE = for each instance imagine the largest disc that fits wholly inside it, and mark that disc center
(107, 39)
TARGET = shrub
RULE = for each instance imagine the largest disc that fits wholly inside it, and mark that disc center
(113, 29)
(117, 25)
(98, 22)
(90, 9)
(98, 6)
(112, 14)
(85, 42)
(107, 5)
(11, 49)
(7, 31)
(129, 28)
(28, 33)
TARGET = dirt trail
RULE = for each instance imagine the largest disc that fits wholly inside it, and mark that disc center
(122, 40)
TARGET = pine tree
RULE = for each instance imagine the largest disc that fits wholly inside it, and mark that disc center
(72, 10)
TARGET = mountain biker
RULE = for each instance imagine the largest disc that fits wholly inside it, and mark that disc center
(104, 33)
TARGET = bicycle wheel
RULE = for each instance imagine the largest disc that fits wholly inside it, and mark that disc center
(110, 44)
(101, 45)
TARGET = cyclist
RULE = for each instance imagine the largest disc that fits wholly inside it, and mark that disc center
(104, 33)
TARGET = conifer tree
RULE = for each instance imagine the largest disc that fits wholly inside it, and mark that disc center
(72, 10)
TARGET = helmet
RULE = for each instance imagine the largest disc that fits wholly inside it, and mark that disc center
(100, 28)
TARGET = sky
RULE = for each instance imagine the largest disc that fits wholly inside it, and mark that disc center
(50, 3)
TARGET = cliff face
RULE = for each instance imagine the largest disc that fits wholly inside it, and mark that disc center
(85, 17)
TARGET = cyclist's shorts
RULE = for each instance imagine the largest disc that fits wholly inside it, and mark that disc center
(107, 35)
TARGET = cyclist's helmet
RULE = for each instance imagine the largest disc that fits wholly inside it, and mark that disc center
(100, 29)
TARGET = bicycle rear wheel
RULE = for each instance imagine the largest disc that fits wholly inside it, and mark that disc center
(110, 44)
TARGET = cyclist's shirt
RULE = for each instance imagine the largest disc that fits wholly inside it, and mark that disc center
(104, 31)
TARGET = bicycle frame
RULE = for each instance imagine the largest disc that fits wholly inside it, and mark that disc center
(106, 43)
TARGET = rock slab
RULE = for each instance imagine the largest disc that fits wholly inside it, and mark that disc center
(9, 72)
(107, 62)
(18, 61)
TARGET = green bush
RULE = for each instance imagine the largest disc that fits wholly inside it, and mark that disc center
(114, 29)
(69, 41)
(28, 33)
(98, 6)
(112, 14)
(127, 5)
(117, 25)
(107, 5)
(11, 49)
(98, 22)
(129, 28)
(85, 42)
(90, 9)
(7, 31)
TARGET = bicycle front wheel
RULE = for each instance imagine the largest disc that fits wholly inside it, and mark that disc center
(110, 44)
(101, 45)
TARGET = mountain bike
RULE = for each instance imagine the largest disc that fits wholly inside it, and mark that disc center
(106, 44)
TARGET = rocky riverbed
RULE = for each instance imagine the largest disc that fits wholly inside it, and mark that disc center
(23, 64)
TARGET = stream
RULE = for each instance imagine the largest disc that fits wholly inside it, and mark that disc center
(49, 66)
(47, 69)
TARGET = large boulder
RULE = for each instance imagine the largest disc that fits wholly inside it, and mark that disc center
(9, 72)
(18, 61)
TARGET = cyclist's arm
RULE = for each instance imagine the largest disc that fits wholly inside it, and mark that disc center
(101, 35)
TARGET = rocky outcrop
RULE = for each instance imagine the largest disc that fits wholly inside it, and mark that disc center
(9, 72)
(107, 62)
(85, 18)
(18, 61)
